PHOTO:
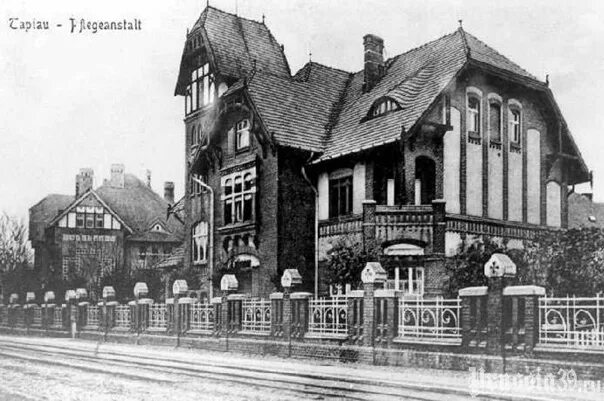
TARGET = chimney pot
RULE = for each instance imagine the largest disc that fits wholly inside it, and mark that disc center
(117, 175)
(148, 173)
(169, 192)
(374, 60)
(84, 181)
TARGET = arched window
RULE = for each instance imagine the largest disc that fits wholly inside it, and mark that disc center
(238, 196)
(383, 106)
(473, 120)
(494, 120)
(514, 126)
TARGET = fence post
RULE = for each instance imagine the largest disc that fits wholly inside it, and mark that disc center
(228, 284)
(82, 307)
(495, 330)
(277, 314)
(30, 298)
(290, 279)
(108, 309)
(48, 311)
(141, 307)
(386, 316)
(179, 290)
(372, 276)
(355, 316)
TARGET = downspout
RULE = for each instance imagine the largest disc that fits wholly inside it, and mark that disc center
(314, 189)
(211, 234)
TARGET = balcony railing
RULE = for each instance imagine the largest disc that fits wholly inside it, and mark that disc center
(491, 227)
(394, 222)
(341, 225)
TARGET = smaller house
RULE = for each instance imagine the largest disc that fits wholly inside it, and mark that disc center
(121, 224)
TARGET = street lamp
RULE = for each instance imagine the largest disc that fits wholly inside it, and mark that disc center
(211, 231)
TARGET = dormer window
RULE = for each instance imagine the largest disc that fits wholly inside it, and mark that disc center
(382, 107)
(201, 91)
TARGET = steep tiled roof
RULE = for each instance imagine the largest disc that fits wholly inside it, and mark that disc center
(414, 79)
(139, 206)
(582, 212)
(44, 211)
(238, 46)
(298, 110)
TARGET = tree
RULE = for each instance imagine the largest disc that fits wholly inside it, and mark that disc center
(345, 262)
(16, 257)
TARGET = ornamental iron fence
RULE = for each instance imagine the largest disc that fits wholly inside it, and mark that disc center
(431, 319)
(201, 317)
(328, 316)
(572, 321)
(158, 317)
(256, 316)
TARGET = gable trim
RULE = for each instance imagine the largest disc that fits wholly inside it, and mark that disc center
(98, 198)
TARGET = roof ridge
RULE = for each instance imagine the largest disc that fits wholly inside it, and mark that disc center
(465, 41)
(235, 15)
(336, 109)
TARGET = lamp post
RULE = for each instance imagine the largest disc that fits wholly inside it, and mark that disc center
(211, 231)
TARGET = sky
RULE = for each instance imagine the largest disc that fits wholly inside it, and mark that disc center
(73, 100)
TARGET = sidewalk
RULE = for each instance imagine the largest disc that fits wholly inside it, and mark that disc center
(459, 382)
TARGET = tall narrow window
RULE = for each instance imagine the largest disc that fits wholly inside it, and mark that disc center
(340, 196)
(199, 243)
(495, 122)
(473, 115)
(514, 126)
(242, 135)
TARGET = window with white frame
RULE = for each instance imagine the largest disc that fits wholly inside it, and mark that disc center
(409, 280)
(242, 134)
(90, 217)
(238, 194)
(340, 193)
(201, 90)
(199, 242)
(473, 118)
(514, 126)
(196, 187)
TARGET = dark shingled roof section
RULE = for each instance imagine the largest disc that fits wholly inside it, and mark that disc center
(581, 208)
(298, 110)
(139, 206)
(414, 79)
(44, 211)
(239, 46)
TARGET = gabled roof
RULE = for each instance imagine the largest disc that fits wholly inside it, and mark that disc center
(237, 46)
(138, 205)
(297, 111)
(44, 211)
(87, 195)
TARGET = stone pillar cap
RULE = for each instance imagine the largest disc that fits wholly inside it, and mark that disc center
(276, 295)
(524, 290)
(473, 291)
(300, 295)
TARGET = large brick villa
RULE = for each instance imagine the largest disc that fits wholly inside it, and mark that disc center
(413, 155)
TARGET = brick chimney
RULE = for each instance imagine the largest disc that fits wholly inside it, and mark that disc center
(84, 181)
(148, 174)
(117, 176)
(169, 192)
(374, 60)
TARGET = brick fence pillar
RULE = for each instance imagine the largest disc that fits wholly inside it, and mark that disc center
(471, 315)
(373, 276)
(439, 226)
(287, 314)
(277, 314)
(355, 316)
(495, 315)
(369, 234)
(530, 294)
(300, 313)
